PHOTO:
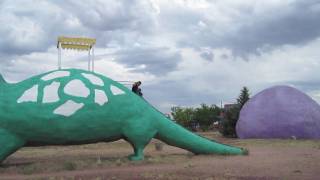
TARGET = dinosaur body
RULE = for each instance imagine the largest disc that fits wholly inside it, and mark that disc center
(77, 107)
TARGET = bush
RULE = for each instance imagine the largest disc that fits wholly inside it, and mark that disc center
(183, 116)
(231, 116)
(206, 115)
(229, 121)
(192, 118)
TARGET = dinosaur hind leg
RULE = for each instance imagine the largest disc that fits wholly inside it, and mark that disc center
(9, 143)
(138, 140)
(138, 152)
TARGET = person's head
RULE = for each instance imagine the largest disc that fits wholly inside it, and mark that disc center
(138, 83)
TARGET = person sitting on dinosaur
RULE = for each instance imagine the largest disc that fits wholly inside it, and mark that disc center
(136, 89)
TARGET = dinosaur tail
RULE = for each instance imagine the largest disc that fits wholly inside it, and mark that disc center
(175, 135)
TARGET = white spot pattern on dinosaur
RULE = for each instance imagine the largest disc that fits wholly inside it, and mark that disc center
(56, 74)
(68, 108)
(50, 93)
(93, 79)
(100, 97)
(116, 91)
(76, 88)
(29, 95)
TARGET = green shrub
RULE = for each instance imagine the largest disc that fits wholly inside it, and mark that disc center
(69, 166)
(229, 120)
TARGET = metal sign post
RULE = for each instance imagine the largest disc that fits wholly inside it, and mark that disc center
(59, 56)
(80, 43)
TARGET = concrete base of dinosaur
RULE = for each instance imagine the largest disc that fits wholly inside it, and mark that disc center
(78, 107)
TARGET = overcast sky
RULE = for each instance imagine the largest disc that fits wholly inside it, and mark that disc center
(185, 52)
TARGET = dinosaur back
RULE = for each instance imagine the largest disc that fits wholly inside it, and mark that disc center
(66, 93)
(2, 81)
(68, 103)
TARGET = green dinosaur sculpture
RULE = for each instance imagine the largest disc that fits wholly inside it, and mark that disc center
(73, 106)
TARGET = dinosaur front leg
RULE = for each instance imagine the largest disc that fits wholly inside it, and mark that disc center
(9, 143)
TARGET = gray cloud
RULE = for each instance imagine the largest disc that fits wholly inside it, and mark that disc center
(207, 55)
(158, 61)
(34, 28)
(251, 32)
(296, 26)
(31, 27)
(170, 39)
(305, 86)
(170, 93)
(109, 15)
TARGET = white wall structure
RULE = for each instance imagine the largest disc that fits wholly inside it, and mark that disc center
(50, 93)
(76, 88)
(93, 79)
(116, 91)
(68, 108)
(56, 74)
(29, 95)
(100, 97)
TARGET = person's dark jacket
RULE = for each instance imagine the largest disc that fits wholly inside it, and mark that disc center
(136, 89)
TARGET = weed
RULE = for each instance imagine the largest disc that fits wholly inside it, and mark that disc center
(158, 146)
(70, 166)
(28, 169)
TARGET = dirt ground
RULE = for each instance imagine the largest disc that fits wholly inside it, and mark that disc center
(268, 159)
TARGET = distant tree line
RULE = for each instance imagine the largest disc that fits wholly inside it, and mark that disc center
(205, 116)
(193, 118)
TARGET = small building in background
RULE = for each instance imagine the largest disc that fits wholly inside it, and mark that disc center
(226, 108)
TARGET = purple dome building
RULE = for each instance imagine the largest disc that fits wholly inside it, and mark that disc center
(280, 112)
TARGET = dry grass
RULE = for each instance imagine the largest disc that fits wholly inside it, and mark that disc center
(268, 159)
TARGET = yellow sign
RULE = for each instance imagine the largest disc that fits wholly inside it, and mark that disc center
(76, 43)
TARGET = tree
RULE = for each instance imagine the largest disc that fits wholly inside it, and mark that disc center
(191, 118)
(229, 121)
(243, 97)
(205, 115)
(231, 116)
(183, 116)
